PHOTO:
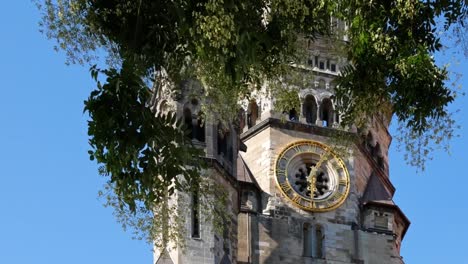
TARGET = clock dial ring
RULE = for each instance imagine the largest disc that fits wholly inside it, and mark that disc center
(312, 176)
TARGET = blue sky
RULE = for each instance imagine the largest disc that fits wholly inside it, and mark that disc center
(48, 189)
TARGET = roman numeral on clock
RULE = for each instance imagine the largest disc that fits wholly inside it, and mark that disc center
(297, 149)
(285, 187)
(296, 198)
(312, 204)
(280, 172)
(343, 182)
(337, 195)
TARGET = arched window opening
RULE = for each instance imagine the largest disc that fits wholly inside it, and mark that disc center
(319, 236)
(310, 109)
(307, 240)
(293, 115)
(199, 130)
(252, 114)
(327, 112)
(188, 122)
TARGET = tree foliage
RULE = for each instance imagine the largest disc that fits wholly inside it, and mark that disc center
(233, 48)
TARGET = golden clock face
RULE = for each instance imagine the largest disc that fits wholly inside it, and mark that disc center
(312, 176)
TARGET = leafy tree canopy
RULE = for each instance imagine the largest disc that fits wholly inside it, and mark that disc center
(232, 48)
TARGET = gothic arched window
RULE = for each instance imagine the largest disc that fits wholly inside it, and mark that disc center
(310, 109)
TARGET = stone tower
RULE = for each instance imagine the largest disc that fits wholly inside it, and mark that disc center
(293, 198)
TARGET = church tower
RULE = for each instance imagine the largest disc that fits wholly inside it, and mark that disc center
(295, 193)
(305, 199)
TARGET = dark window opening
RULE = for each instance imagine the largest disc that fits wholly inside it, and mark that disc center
(195, 214)
(310, 109)
(252, 114)
(369, 142)
(222, 140)
(310, 62)
(225, 148)
(188, 122)
(199, 130)
(316, 61)
(333, 67)
(321, 65)
(326, 112)
(380, 162)
(293, 115)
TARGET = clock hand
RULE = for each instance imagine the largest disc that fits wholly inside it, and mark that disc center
(321, 160)
(313, 174)
(312, 181)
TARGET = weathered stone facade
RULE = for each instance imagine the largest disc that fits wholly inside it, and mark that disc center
(266, 227)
